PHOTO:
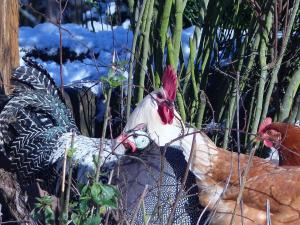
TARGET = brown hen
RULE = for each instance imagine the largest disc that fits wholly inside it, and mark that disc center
(285, 138)
(214, 166)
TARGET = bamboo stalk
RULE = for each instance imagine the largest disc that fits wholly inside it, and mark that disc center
(191, 69)
(251, 111)
(138, 53)
(191, 65)
(209, 29)
(170, 56)
(295, 109)
(161, 34)
(204, 53)
(298, 115)
(264, 71)
(280, 58)
(232, 103)
(179, 8)
(246, 71)
(179, 97)
(201, 110)
(289, 96)
(250, 63)
(229, 119)
(203, 10)
(145, 52)
(180, 102)
(136, 33)
(131, 7)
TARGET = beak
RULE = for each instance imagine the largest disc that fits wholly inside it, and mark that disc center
(257, 138)
(123, 138)
(260, 137)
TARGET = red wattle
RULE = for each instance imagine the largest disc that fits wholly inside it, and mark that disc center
(268, 143)
(166, 113)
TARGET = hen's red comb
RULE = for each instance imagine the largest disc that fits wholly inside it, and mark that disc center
(264, 124)
(169, 81)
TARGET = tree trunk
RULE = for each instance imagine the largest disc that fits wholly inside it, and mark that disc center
(9, 29)
(14, 198)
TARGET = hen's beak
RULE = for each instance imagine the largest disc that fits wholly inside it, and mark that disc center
(123, 138)
(258, 138)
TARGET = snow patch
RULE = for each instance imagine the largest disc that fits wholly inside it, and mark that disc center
(106, 39)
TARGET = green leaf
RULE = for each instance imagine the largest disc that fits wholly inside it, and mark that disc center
(95, 192)
(84, 190)
(38, 205)
(75, 218)
(94, 220)
(111, 72)
(73, 205)
(108, 196)
(109, 203)
(49, 215)
(108, 191)
(71, 152)
(34, 214)
(83, 207)
(95, 160)
(103, 210)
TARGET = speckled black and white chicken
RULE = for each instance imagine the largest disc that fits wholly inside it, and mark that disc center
(36, 128)
(162, 173)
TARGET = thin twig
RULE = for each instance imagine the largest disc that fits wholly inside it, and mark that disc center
(203, 211)
(109, 210)
(132, 57)
(238, 136)
(183, 181)
(67, 200)
(139, 204)
(60, 47)
(242, 187)
(16, 221)
(269, 222)
(1, 213)
(106, 118)
(65, 6)
(64, 172)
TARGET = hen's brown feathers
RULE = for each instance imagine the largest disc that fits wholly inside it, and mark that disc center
(265, 182)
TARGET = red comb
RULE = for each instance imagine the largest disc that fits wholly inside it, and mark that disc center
(169, 81)
(264, 124)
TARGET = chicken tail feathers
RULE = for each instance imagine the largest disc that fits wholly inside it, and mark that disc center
(34, 77)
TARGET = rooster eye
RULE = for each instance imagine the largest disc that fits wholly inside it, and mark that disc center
(159, 95)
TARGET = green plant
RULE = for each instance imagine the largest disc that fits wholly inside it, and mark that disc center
(93, 202)
(43, 210)
(113, 79)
